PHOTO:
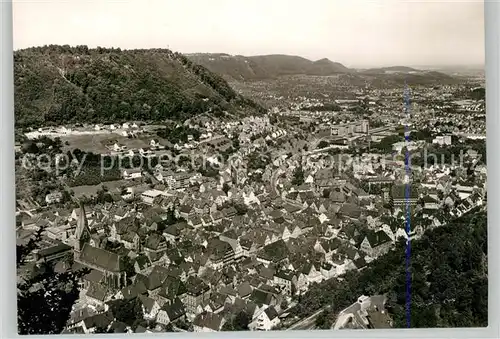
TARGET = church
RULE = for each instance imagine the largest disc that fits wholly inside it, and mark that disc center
(109, 264)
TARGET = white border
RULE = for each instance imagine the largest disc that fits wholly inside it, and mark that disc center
(8, 326)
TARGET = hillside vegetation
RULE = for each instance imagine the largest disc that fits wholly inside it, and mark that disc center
(449, 279)
(265, 66)
(63, 84)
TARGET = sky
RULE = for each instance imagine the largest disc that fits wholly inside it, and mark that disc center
(357, 33)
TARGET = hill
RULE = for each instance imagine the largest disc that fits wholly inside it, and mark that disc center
(262, 67)
(63, 84)
(449, 279)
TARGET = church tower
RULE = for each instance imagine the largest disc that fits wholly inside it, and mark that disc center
(82, 233)
(234, 175)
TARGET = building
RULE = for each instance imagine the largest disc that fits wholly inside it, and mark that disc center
(442, 140)
(171, 312)
(107, 263)
(149, 196)
(208, 322)
(376, 244)
(133, 173)
(286, 280)
(53, 198)
(366, 313)
(266, 320)
(197, 292)
(179, 180)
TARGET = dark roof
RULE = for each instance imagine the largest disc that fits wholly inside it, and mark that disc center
(209, 320)
(378, 238)
(196, 286)
(402, 191)
(261, 297)
(172, 287)
(102, 320)
(156, 277)
(147, 303)
(57, 248)
(94, 276)
(360, 263)
(134, 290)
(97, 291)
(175, 310)
(153, 241)
(274, 252)
(118, 327)
(285, 274)
(101, 258)
(271, 313)
(350, 210)
(174, 230)
(244, 289)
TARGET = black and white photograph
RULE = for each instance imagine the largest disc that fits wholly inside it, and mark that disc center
(208, 166)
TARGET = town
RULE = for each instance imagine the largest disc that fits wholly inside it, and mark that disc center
(219, 224)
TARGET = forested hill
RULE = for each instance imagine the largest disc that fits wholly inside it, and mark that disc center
(63, 84)
(261, 67)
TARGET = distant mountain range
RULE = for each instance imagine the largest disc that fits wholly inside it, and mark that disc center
(392, 69)
(262, 67)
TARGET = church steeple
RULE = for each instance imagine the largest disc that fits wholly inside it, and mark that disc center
(82, 233)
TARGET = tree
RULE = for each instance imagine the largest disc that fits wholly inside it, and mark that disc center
(323, 144)
(324, 321)
(127, 311)
(298, 176)
(240, 322)
(44, 299)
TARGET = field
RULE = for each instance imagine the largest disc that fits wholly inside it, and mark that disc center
(97, 143)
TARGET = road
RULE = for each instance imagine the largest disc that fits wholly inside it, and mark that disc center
(308, 323)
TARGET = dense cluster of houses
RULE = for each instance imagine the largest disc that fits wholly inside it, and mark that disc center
(194, 251)
(216, 259)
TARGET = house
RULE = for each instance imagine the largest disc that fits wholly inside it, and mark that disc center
(430, 203)
(100, 321)
(266, 320)
(171, 289)
(154, 244)
(96, 294)
(154, 143)
(197, 292)
(442, 140)
(179, 180)
(403, 195)
(133, 173)
(286, 280)
(142, 264)
(220, 252)
(132, 291)
(131, 241)
(53, 198)
(263, 298)
(171, 312)
(150, 307)
(366, 313)
(149, 196)
(208, 322)
(376, 244)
